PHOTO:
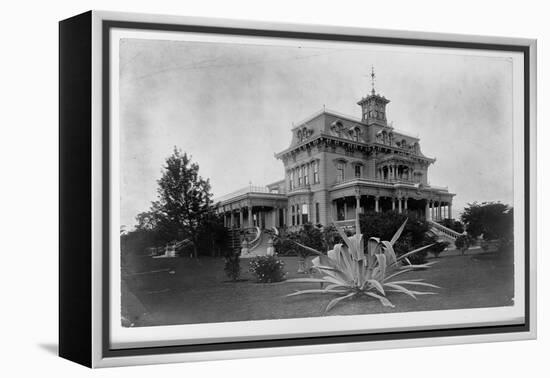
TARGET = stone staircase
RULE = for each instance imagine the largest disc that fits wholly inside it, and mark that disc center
(444, 233)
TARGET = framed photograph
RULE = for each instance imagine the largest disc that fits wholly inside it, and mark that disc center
(233, 189)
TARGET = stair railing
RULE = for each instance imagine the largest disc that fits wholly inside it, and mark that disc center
(444, 230)
(256, 241)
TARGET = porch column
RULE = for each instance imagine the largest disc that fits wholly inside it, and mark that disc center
(275, 213)
(393, 203)
(439, 211)
(450, 210)
(428, 210)
(232, 222)
(289, 216)
(357, 205)
(399, 205)
(376, 204)
(241, 218)
(406, 200)
(250, 219)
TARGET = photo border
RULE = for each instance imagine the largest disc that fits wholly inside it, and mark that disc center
(107, 352)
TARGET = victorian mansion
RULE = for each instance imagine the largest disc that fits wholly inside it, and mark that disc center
(337, 167)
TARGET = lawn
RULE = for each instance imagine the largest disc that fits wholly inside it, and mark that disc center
(187, 291)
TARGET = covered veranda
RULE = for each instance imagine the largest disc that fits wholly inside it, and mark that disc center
(348, 203)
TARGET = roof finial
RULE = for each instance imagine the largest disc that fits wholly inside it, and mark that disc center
(372, 77)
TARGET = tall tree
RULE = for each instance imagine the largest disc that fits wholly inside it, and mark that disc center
(184, 199)
(493, 220)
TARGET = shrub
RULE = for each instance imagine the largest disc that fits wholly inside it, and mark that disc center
(283, 245)
(267, 269)
(463, 242)
(438, 248)
(353, 270)
(414, 235)
(316, 237)
(232, 266)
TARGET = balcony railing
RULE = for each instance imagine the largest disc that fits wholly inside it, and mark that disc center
(360, 180)
(246, 190)
(376, 181)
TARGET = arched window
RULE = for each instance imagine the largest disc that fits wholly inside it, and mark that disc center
(355, 133)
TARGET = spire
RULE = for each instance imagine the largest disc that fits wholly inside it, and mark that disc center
(372, 78)
(373, 107)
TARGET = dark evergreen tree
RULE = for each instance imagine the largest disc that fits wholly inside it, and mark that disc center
(184, 200)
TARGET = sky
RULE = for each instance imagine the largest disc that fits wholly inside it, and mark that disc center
(232, 106)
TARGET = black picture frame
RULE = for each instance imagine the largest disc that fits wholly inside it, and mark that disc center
(78, 297)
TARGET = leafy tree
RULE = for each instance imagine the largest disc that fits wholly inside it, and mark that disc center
(493, 220)
(183, 205)
(213, 235)
(147, 221)
(453, 224)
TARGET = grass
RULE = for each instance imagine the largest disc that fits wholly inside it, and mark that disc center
(188, 291)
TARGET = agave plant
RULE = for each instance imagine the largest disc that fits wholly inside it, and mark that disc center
(348, 272)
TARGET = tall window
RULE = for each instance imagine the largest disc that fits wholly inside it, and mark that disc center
(357, 170)
(291, 179)
(315, 172)
(305, 213)
(293, 211)
(355, 132)
(300, 174)
(339, 172)
(306, 174)
(317, 212)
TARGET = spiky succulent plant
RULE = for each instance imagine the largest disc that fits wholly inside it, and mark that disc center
(348, 272)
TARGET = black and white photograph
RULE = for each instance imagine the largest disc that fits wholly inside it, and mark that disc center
(275, 189)
(335, 186)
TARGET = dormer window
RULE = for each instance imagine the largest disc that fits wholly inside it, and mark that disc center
(303, 134)
(337, 128)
